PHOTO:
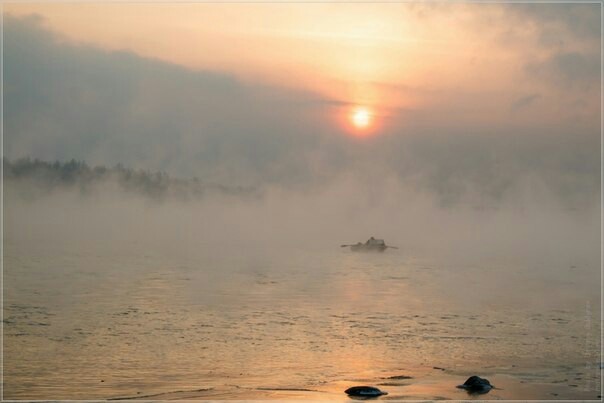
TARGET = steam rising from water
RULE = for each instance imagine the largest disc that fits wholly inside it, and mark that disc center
(257, 292)
(533, 225)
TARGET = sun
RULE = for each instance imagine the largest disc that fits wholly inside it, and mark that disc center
(361, 118)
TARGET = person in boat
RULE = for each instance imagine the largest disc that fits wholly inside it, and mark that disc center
(371, 244)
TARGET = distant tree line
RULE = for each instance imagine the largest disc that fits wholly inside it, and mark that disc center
(38, 177)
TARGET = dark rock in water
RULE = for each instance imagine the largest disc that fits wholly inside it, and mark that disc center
(364, 391)
(476, 385)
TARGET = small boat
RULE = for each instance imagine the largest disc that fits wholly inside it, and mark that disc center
(372, 245)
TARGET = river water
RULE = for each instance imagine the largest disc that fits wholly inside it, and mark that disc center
(98, 318)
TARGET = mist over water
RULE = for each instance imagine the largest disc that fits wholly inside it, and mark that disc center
(115, 294)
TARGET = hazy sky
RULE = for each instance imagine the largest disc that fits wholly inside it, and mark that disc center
(462, 98)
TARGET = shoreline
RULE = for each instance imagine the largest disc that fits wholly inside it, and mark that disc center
(440, 385)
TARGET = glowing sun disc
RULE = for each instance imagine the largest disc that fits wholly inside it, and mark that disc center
(361, 118)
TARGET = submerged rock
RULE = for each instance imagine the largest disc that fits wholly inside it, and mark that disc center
(364, 391)
(476, 385)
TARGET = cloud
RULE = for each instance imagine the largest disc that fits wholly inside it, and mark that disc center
(581, 21)
(66, 100)
(574, 70)
(524, 102)
(568, 38)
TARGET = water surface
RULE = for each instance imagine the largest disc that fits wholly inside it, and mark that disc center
(106, 320)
